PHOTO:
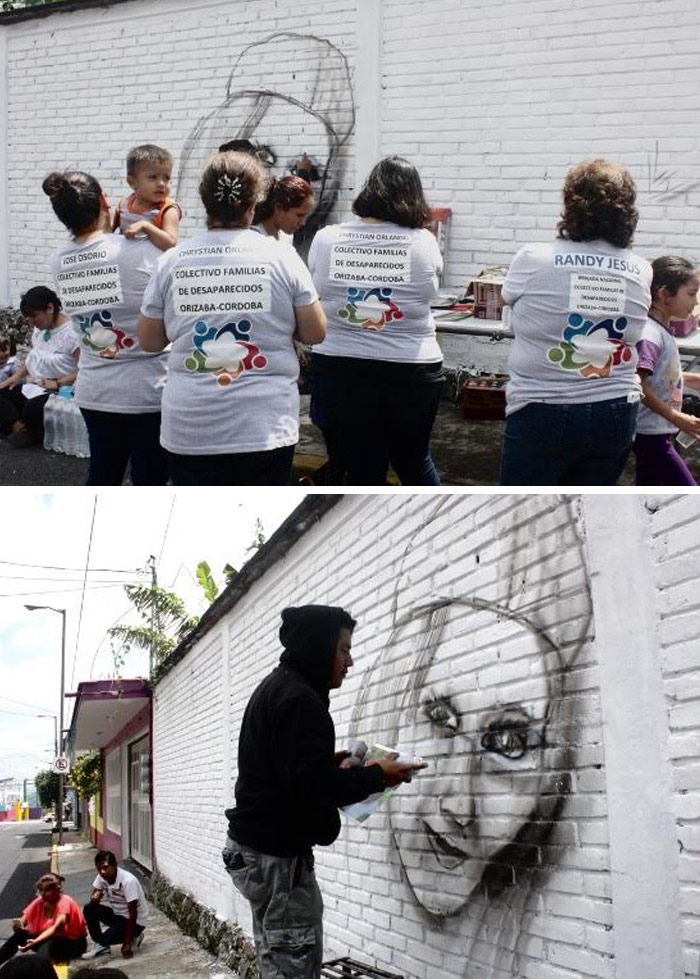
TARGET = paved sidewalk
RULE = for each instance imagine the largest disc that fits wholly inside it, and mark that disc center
(165, 951)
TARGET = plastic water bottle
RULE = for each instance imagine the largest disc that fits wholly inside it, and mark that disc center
(73, 438)
(50, 423)
(62, 409)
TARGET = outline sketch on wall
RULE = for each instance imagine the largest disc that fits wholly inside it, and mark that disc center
(300, 123)
(664, 185)
(477, 835)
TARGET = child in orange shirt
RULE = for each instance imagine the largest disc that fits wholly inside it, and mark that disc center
(149, 210)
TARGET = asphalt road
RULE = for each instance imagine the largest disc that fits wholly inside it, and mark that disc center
(25, 854)
(37, 467)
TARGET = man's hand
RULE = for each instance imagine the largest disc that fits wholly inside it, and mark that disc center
(340, 757)
(127, 951)
(398, 772)
(96, 895)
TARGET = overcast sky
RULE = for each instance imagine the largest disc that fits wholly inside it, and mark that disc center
(41, 530)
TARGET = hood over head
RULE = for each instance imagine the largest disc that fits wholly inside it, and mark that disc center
(309, 635)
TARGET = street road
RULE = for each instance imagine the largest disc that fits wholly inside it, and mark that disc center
(25, 855)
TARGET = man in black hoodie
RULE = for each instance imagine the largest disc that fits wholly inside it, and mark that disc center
(290, 784)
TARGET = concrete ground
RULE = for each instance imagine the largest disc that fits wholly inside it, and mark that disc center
(466, 453)
(165, 951)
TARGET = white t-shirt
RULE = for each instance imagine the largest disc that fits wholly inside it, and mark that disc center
(578, 309)
(227, 299)
(126, 888)
(52, 355)
(376, 282)
(657, 351)
(101, 284)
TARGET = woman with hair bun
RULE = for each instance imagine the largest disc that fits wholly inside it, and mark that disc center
(289, 202)
(101, 278)
(378, 375)
(579, 306)
(231, 302)
(51, 363)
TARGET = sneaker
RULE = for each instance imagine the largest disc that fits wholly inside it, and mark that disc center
(138, 940)
(96, 951)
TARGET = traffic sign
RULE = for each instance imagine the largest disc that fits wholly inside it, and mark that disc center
(61, 764)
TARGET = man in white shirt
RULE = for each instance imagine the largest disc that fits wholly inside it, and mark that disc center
(127, 915)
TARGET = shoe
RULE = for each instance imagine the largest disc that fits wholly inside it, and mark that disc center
(96, 951)
(138, 940)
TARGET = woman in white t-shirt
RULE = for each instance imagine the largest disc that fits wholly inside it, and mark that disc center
(101, 278)
(231, 302)
(51, 363)
(578, 309)
(379, 371)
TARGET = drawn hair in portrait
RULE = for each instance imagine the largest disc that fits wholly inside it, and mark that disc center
(297, 122)
(475, 678)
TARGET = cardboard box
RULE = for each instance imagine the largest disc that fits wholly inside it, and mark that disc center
(486, 289)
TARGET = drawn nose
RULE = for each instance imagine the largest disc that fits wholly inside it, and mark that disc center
(459, 804)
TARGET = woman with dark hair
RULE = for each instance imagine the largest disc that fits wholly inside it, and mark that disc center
(578, 309)
(101, 278)
(51, 363)
(231, 302)
(379, 372)
(289, 202)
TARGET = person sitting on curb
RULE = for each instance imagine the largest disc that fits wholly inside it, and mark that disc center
(52, 926)
(126, 919)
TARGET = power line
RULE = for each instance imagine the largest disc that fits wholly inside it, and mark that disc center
(25, 703)
(63, 568)
(167, 527)
(82, 596)
(92, 588)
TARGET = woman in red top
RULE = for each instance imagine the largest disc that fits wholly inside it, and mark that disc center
(52, 926)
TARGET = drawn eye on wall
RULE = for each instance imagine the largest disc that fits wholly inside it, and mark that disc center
(477, 684)
(302, 117)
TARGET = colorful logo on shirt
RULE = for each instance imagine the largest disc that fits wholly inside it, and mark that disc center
(593, 349)
(99, 334)
(225, 352)
(370, 309)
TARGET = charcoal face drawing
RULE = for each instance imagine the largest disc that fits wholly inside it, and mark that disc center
(300, 124)
(477, 685)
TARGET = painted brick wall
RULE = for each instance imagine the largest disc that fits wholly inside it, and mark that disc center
(676, 535)
(493, 101)
(501, 586)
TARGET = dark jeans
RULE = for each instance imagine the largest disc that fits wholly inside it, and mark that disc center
(57, 949)
(383, 415)
(14, 407)
(659, 464)
(267, 468)
(115, 438)
(97, 915)
(568, 445)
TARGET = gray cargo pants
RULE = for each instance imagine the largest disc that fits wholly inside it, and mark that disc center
(287, 909)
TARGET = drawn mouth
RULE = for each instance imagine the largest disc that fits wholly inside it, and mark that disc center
(447, 854)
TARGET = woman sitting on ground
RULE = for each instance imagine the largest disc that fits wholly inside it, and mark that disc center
(51, 363)
(52, 926)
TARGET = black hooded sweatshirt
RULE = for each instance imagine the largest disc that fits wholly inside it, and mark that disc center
(289, 789)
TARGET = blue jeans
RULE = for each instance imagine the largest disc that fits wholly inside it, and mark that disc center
(115, 439)
(568, 445)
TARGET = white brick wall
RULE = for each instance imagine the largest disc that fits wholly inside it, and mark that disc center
(676, 535)
(493, 102)
(512, 575)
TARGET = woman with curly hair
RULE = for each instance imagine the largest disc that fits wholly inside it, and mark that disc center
(579, 305)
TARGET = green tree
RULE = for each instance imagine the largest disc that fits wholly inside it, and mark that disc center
(164, 622)
(46, 783)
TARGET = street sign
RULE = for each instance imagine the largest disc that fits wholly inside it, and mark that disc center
(61, 764)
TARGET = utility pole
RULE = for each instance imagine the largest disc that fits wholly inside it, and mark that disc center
(154, 583)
